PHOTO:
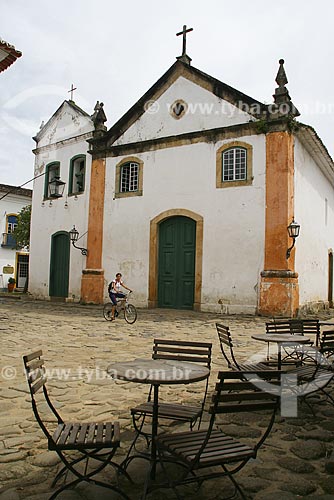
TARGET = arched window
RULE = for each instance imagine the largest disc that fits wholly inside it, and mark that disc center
(129, 178)
(52, 171)
(76, 181)
(234, 165)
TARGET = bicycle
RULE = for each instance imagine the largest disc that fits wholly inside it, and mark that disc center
(130, 312)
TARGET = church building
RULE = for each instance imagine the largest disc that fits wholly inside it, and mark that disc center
(190, 196)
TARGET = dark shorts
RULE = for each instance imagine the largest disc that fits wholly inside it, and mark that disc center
(114, 296)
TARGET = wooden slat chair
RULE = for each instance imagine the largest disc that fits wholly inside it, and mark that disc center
(294, 326)
(179, 350)
(311, 379)
(326, 343)
(226, 344)
(201, 450)
(96, 441)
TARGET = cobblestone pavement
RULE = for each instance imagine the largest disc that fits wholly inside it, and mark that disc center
(79, 344)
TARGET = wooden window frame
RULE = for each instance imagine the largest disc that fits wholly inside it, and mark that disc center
(48, 167)
(220, 183)
(70, 178)
(122, 163)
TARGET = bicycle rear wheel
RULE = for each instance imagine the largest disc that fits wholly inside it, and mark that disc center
(130, 313)
(107, 311)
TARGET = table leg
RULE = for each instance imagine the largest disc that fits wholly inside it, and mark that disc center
(154, 429)
(279, 356)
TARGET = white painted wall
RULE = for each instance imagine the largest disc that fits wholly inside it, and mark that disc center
(205, 111)
(11, 204)
(316, 218)
(185, 177)
(47, 220)
(65, 123)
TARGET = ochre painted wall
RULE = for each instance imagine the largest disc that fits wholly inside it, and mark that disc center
(279, 293)
(92, 282)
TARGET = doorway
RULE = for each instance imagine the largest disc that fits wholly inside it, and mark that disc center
(176, 263)
(59, 265)
(330, 278)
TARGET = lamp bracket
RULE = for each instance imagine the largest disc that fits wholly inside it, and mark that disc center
(84, 251)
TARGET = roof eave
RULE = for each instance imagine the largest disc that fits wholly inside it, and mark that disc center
(316, 148)
(219, 88)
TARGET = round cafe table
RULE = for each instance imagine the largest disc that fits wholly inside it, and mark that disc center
(157, 372)
(281, 339)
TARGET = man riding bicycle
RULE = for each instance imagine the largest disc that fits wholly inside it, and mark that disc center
(114, 290)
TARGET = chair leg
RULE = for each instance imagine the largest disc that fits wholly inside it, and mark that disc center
(170, 483)
(86, 477)
(236, 485)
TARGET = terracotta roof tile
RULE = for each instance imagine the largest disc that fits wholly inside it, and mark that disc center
(10, 58)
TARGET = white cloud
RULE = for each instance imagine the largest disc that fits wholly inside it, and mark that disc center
(114, 51)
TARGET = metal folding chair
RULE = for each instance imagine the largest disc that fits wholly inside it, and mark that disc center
(226, 344)
(211, 453)
(96, 443)
(179, 350)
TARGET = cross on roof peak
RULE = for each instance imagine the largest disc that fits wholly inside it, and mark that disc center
(184, 57)
(72, 89)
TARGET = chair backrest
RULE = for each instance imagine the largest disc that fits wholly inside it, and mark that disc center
(182, 350)
(35, 372)
(243, 391)
(327, 342)
(36, 378)
(295, 326)
(240, 391)
(278, 326)
(225, 341)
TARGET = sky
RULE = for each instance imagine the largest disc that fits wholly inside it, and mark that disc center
(114, 51)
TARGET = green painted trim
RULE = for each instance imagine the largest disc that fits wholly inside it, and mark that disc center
(46, 178)
(57, 269)
(70, 178)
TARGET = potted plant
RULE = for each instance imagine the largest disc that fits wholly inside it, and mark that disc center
(11, 284)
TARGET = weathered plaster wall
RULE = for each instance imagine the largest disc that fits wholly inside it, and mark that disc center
(11, 204)
(205, 111)
(316, 218)
(47, 220)
(233, 222)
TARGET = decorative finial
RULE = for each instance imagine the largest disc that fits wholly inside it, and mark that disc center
(99, 117)
(184, 57)
(281, 97)
(281, 78)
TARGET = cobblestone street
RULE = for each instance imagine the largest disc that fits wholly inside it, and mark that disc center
(78, 345)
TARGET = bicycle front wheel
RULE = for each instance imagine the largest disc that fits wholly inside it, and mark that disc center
(130, 313)
(107, 311)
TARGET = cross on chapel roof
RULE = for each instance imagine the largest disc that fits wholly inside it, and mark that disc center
(184, 57)
(72, 89)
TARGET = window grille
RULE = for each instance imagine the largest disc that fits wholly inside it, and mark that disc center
(129, 177)
(235, 164)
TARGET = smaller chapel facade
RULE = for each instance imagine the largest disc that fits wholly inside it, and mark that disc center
(189, 196)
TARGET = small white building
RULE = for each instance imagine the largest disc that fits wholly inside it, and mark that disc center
(13, 262)
(189, 196)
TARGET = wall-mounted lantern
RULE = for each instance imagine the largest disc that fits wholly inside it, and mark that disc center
(293, 230)
(74, 235)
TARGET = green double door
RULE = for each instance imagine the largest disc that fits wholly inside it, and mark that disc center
(59, 265)
(176, 263)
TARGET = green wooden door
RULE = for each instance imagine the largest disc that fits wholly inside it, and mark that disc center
(176, 264)
(59, 264)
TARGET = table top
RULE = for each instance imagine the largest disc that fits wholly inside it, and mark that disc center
(158, 371)
(281, 338)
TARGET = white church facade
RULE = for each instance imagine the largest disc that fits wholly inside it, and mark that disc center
(189, 196)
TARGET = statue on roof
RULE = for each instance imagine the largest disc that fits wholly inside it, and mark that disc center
(99, 117)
